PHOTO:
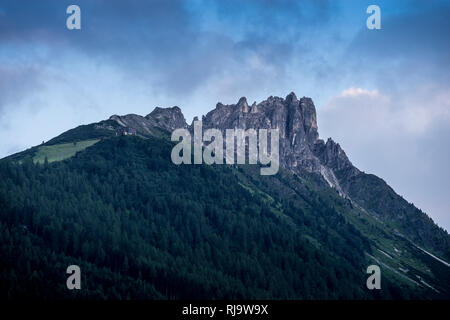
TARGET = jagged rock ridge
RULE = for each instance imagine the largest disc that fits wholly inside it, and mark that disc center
(300, 146)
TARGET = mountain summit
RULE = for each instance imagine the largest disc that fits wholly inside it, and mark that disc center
(315, 226)
(300, 146)
(301, 149)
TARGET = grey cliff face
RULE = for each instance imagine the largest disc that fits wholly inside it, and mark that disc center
(300, 146)
(168, 118)
(142, 125)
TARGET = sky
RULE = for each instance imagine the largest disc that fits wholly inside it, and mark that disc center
(383, 95)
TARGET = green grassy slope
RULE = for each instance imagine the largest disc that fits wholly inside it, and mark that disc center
(58, 152)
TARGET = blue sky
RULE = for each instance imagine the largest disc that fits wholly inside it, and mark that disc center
(382, 94)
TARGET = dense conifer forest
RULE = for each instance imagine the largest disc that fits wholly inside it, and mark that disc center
(141, 227)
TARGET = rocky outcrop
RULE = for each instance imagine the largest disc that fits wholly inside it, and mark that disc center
(168, 118)
(300, 146)
(142, 125)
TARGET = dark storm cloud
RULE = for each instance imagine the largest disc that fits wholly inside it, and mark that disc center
(165, 38)
(137, 36)
(409, 35)
(410, 47)
(107, 26)
(270, 17)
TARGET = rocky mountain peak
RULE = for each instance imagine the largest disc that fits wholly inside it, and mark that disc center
(291, 98)
(168, 118)
(300, 146)
(296, 120)
(308, 111)
(242, 103)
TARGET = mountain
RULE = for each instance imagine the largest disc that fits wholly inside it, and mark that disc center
(301, 149)
(300, 146)
(107, 197)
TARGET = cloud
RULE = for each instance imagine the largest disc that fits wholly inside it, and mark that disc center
(176, 47)
(410, 114)
(357, 92)
(400, 138)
